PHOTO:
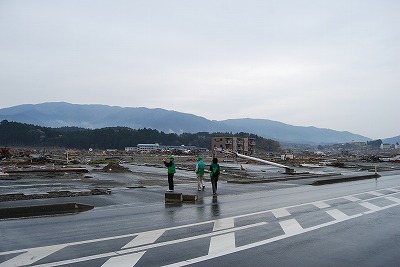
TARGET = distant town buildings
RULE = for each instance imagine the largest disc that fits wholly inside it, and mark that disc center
(148, 148)
(241, 145)
(389, 146)
(287, 156)
(385, 146)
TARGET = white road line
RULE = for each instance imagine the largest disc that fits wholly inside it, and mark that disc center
(321, 204)
(282, 212)
(394, 199)
(279, 213)
(144, 238)
(291, 227)
(106, 238)
(222, 243)
(128, 260)
(337, 214)
(392, 189)
(370, 206)
(147, 247)
(31, 256)
(352, 198)
(375, 193)
(256, 244)
(222, 224)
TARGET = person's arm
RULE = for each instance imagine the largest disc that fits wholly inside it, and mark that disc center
(197, 168)
(167, 164)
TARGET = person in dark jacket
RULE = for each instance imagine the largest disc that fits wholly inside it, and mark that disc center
(214, 174)
(171, 171)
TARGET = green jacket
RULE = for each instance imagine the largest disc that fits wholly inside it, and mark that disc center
(171, 166)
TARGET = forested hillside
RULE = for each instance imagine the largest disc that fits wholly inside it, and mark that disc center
(61, 114)
(20, 134)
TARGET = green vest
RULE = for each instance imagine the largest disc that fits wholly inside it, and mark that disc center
(200, 167)
(171, 169)
(214, 170)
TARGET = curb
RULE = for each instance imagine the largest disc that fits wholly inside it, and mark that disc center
(41, 210)
(345, 179)
(279, 179)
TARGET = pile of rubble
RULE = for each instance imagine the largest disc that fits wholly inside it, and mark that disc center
(115, 167)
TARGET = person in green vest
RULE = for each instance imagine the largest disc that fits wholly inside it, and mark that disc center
(214, 174)
(200, 174)
(171, 171)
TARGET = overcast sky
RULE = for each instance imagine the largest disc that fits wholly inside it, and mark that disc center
(329, 64)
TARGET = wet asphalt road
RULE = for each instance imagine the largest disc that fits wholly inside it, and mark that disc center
(277, 224)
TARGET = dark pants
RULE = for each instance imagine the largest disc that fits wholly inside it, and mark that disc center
(214, 181)
(170, 181)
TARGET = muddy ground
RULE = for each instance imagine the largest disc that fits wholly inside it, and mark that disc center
(142, 171)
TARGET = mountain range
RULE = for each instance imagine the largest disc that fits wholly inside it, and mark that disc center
(59, 114)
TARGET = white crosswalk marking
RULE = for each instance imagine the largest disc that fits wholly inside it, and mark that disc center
(221, 243)
(144, 238)
(370, 206)
(223, 224)
(321, 205)
(128, 260)
(375, 193)
(394, 199)
(352, 198)
(279, 213)
(148, 246)
(31, 256)
(291, 227)
(337, 214)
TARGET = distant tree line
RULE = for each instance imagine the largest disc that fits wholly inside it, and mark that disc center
(20, 134)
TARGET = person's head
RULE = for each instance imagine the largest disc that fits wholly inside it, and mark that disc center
(200, 158)
(215, 160)
(171, 158)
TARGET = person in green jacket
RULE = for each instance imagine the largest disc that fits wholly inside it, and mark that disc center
(200, 174)
(171, 171)
(214, 174)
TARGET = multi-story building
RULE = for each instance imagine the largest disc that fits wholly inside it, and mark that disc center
(241, 145)
(147, 147)
(386, 146)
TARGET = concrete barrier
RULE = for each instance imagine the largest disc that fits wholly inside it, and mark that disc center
(172, 197)
(189, 198)
(41, 210)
